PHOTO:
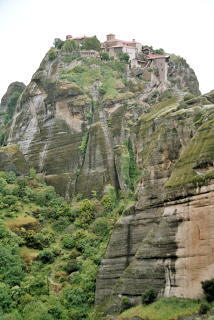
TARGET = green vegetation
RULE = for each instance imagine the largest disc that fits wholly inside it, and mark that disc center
(104, 56)
(70, 57)
(2, 137)
(69, 45)
(188, 96)
(110, 74)
(124, 57)
(52, 54)
(11, 106)
(129, 168)
(149, 296)
(91, 44)
(84, 143)
(159, 51)
(58, 43)
(50, 249)
(204, 308)
(163, 309)
(208, 288)
(195, 165)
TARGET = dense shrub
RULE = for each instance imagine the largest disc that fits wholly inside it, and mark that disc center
(46, 256)
(52, 54)
(101, 226)
(204, 308)
(32, 281)
(3, 185)
(75, 296)
(9, 177)
(68, 242)
(58, 43)
(109, 199)
(71, 266)
(35, 285)
(104, 56)
(69, 45)
(124, 57)
(208, 288)
(5, 297)
(85, 214)
(10, 266)
(44, 196)
(159, 51)
(91, 44)
(149, 296)
(10, 199)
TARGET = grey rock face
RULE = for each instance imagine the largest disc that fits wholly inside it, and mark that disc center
(70, 133)
(82, 140)
(13, 87)
(160, 245)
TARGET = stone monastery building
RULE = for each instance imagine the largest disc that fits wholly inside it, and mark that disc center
(114, 47)
(152, 66)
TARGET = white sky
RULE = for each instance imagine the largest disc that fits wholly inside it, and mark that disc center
(28, 28)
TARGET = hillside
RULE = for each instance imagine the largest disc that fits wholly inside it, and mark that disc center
(132, 159)
(50, 249)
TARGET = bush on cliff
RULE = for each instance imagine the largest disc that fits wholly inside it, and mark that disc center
(52, 54)
(149, 296)
(208, 288)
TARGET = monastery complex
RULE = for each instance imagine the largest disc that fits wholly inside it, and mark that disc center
(147, 63)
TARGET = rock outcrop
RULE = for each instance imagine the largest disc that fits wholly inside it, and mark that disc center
(14, 88)
(167, 242)
(7, 108)
(12, 159)
(85, 123)
(73, 117)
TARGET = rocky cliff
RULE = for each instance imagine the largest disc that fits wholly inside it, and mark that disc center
(7, 108)
(85, 123)
(76, 115)
(166, 241)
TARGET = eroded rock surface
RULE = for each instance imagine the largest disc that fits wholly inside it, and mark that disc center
(75, 116)
(85, 123)
(167, 243)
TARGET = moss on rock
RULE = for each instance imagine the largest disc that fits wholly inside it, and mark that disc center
(195, 165)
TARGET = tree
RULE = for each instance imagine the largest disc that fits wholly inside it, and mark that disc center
(104, 56)
(69, 45)
(91, 44)
(159, 51)
(124, 57)
(58, 43)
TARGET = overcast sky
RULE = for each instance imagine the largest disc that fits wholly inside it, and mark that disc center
(28, 28)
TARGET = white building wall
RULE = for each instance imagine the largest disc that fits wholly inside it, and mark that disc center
(130, 51)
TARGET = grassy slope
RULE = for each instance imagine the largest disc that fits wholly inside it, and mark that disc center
(163, 309)
(110, 76)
